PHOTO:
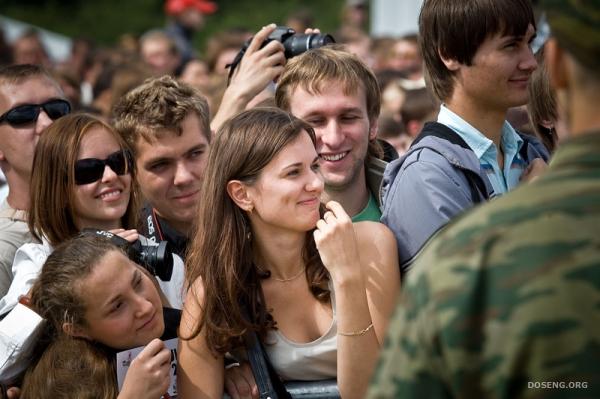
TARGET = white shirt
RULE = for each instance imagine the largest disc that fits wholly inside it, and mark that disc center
(18, 335)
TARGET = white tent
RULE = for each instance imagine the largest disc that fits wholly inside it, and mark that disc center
(57, 45)
(394, 17)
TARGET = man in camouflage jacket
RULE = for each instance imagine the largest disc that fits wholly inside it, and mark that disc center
(505, 303)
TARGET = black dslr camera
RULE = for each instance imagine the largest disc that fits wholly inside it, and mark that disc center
(294, 44)
(157, 259)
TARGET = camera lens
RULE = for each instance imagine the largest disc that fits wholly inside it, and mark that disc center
(159, 260)
(298, 44)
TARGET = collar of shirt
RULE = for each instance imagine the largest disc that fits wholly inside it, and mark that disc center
(484, 148)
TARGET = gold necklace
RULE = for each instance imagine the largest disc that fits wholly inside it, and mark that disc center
(285, 280)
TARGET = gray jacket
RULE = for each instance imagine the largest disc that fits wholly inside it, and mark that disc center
(431, 184)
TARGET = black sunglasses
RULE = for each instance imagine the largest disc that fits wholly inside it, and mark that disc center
(28, 113)
(89, 170)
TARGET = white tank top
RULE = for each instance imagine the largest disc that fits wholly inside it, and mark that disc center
(316, 360)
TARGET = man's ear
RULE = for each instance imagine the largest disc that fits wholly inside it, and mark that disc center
(450, 63)
(373, 128)
(74, 331)
(556, 64)
(238, 192)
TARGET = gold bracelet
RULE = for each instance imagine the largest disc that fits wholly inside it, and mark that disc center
(356, 333)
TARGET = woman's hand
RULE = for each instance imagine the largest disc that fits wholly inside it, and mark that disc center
(149, 374)
(336, 241)
(131, 235)
(240, 383)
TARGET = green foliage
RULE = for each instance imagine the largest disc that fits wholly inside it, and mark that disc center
(106, 20)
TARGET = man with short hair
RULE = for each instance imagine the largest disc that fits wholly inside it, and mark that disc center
(478, 68)
(30, 99)
(338, 95)
(159, 51)
(510, 309)
(166, 123)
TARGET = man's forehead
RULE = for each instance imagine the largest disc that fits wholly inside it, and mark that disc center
(322, 87)
(21, 92)
(350, 97)
(167, 143)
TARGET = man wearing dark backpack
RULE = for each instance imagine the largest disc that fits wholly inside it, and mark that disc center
(478, 68)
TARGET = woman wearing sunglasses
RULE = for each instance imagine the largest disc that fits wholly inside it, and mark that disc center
(83, 177)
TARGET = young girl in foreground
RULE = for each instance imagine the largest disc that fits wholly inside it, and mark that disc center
(318, 291)
(96, 301)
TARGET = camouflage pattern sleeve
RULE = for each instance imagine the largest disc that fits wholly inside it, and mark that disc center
(505, 302)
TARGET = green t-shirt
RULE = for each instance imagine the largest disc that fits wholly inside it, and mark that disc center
(370, 212)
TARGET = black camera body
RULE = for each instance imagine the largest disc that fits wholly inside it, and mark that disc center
(293, 43)
(296, 44)
(157, 259)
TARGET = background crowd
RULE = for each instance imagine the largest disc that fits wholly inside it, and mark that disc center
(296, 191)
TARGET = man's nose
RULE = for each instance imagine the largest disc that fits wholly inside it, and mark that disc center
(183, 174)
(331, 135)
(43, 121)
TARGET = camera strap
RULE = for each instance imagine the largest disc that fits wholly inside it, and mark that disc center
(268, 382)
(236, 61)
(153, 231)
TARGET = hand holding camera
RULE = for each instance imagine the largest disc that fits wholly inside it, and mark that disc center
(156, 258)
(259, 62)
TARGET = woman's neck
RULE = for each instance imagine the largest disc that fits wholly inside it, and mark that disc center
(280, 253)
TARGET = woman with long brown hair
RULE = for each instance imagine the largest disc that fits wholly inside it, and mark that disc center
(317, 291)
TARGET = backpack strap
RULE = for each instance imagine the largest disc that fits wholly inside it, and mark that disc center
(477, 186)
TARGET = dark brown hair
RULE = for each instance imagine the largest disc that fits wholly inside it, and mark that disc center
(221, 252)
(53, 179)
(454, 29)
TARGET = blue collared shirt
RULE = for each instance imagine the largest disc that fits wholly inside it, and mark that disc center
(486, 151)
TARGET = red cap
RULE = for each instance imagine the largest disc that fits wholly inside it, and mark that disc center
(173, 7)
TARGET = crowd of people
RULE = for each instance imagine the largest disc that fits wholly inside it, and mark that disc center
(408, 217)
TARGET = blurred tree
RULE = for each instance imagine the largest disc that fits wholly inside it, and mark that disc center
(106, 20)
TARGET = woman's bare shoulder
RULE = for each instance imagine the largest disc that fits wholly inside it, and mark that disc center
(376, 245)
(375, 232)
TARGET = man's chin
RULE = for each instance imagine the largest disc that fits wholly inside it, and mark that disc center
(336, 182)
